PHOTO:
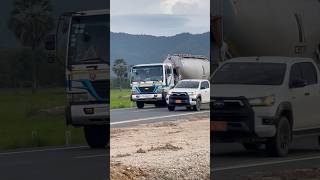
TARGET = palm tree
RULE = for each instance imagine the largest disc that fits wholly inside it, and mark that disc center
(31, 21)
(120, 68)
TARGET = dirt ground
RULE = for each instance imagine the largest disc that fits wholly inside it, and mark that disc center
(169, 150)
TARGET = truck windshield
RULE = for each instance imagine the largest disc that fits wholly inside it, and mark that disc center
(147, 73)
(188, 84)
(255, 73)
(89, 38)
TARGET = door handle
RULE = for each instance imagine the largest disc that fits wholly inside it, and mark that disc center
(307, 94)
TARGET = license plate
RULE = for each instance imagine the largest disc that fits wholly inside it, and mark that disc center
(218, 126)
(178, 101)
(142, 96)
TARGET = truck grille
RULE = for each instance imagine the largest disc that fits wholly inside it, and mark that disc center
(149, 89)
(102, 88)
(184, 97)
(231, 110)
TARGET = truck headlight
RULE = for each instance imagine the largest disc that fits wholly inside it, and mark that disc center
(191, 93)
(79, 97)
(262, 101)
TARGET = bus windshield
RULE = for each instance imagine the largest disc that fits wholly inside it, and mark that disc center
(147, 73)
(89, 40)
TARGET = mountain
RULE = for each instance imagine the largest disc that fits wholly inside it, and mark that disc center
(138, 49)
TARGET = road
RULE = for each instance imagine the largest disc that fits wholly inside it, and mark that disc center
(134, 116)
(231, 161)
(63, 163)
(78, 162)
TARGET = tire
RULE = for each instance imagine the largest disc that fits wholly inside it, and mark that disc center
(251, 146)
(197, 107)
(96, 136)
(140, 104)
(279, 145)
(171, 108)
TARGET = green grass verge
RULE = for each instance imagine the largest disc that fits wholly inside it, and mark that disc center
(120, 99)
(34, 119)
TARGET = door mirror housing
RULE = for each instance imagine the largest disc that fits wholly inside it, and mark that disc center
(297, 83)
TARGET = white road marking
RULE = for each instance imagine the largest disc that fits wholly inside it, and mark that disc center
(265, 163)
(41, 150)
(157, 117)
(91, 156)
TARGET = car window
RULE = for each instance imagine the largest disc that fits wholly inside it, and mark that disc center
(295, 72)
(250, 73)
(188, 84)
(206, 84)
(203, 85)
(309, 73)
(305, 71)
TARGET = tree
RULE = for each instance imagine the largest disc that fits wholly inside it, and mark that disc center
(31, 21)
(120, 68)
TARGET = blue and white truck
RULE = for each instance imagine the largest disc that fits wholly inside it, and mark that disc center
(86, 41)
(150, 83)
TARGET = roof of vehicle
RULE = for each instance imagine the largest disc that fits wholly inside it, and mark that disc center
(271, 59)
(153, 64)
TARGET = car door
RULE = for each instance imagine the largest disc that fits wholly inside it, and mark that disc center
(311, 94)
(205, 92)
(297, 97)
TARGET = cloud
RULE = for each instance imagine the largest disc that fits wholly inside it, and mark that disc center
(155, 24)
(160, 17)
(186, 6)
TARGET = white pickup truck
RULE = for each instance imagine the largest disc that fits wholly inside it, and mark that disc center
(190, 93)
(265, 101)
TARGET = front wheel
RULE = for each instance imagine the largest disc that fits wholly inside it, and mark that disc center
(279, 145)
(197, 107)
(96, 136)
(140, 104)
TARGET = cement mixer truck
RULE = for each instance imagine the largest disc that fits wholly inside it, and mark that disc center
(150, 83)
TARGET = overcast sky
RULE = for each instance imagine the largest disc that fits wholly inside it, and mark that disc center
(160, 17)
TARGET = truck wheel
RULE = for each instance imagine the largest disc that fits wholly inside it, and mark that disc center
(279, 145)
(140, 104)
(171, 108)
(96, 136)
(251, 146)
(197, 107)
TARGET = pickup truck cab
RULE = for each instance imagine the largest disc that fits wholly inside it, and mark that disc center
(190, 93)
(265, 101)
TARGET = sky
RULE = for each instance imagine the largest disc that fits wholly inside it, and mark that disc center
(160, 17)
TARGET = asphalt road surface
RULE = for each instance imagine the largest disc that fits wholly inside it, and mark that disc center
(231, 161)
(78, 162)
(59, 163)
(134, 116)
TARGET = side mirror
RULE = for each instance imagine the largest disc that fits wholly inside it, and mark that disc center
(297, 83)
(50, 46)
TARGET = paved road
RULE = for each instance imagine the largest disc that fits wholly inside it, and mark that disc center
(80, 163)
(231, 161)
(134, 116)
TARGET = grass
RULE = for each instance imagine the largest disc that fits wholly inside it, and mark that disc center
(34, 119)
(120, 99)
